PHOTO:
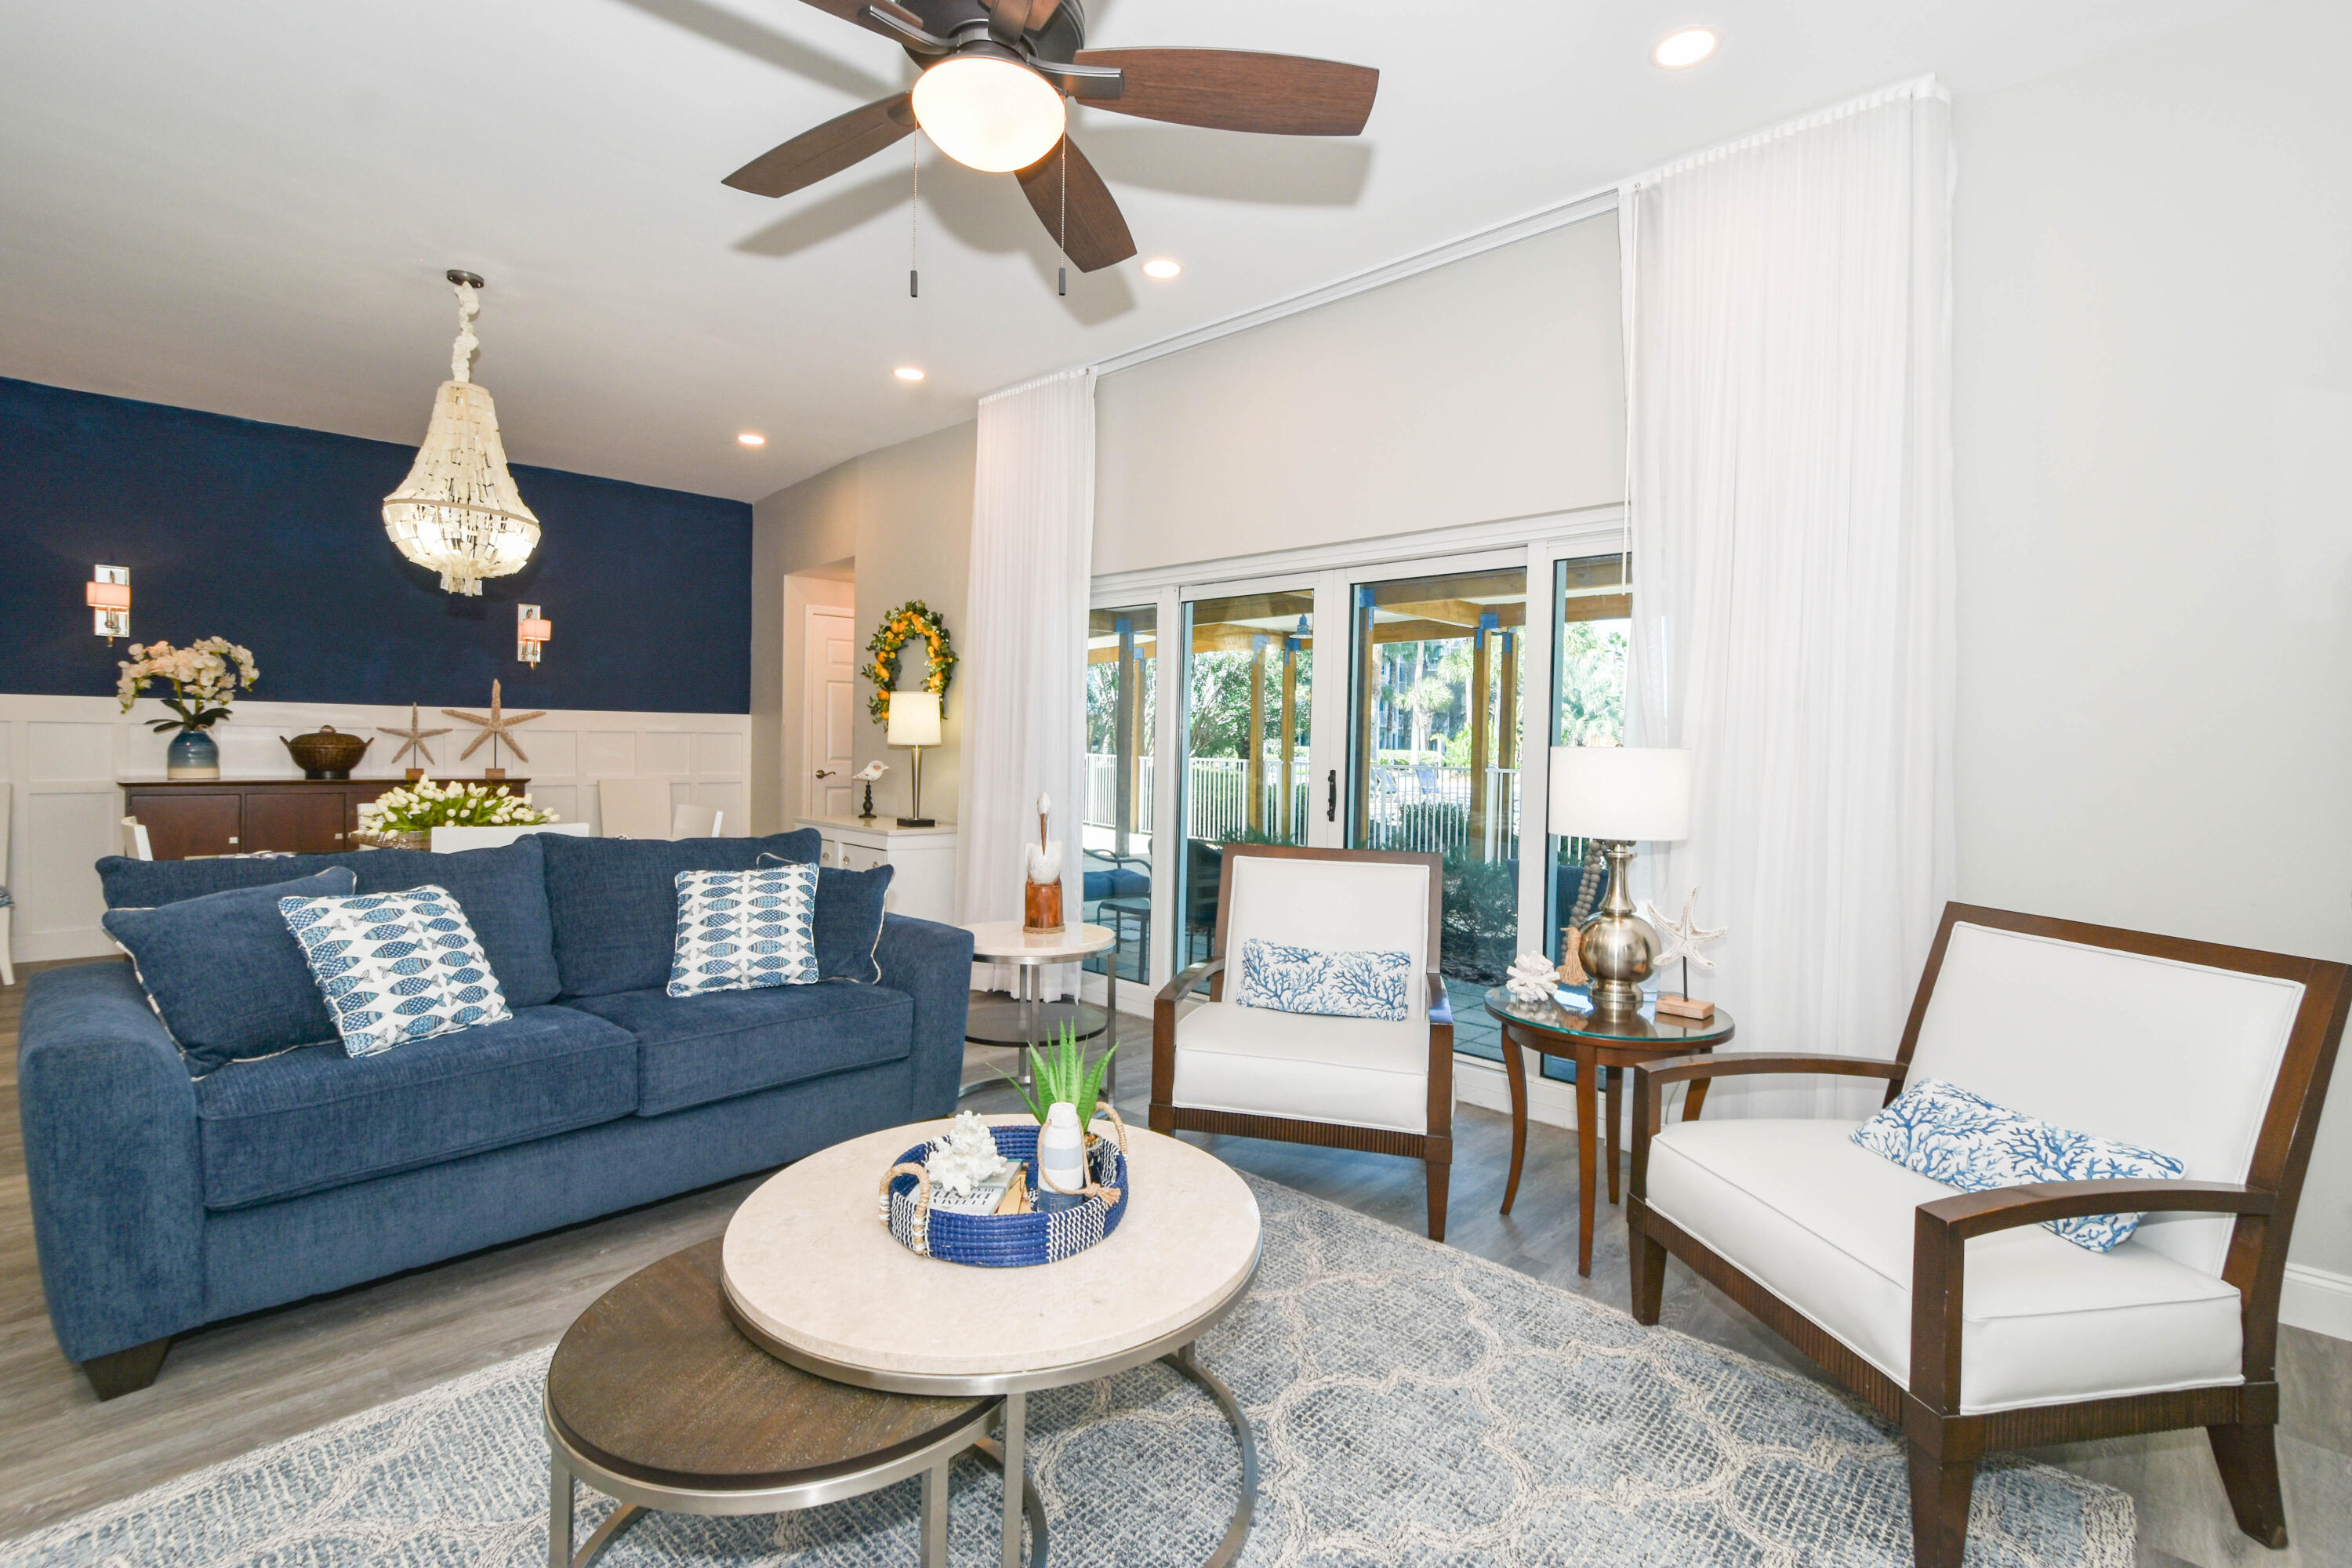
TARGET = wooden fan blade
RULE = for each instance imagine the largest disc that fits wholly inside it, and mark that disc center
(1234, 90)
(834, 146)
(1097, 230)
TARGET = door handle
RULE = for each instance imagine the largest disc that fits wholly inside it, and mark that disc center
(1332, 801)
(824, 772)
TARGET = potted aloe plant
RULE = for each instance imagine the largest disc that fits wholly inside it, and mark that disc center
(1062, 1091)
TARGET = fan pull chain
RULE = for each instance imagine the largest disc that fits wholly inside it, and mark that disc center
(915, 225)
(1064, 152)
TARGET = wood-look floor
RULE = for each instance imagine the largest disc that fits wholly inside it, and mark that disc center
(236, 1385)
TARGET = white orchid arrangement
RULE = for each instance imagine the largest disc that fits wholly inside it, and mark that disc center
(414, 808)
(205, 676)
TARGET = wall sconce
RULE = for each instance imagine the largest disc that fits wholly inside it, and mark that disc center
(108, 594)
(532, 631)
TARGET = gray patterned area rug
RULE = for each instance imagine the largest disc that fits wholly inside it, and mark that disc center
(1414, 1405)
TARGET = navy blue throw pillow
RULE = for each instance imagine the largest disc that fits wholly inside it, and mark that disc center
(226, 976)
(503, 891)
(614, 901)
(849, 921)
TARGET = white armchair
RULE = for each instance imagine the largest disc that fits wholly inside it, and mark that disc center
(1348, 1083)
(2216, 1056)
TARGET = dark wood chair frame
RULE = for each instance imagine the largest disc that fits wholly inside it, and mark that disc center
(1434, 1148)
(1946, 1445)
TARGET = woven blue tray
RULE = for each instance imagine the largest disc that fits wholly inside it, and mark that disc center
(1063, 1225)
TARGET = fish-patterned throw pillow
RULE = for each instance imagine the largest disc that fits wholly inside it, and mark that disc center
(1965, 1141)
(396, 967)
(1339, 984)
(740, 930)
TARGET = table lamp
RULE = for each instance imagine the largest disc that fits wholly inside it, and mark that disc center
(915, 723)
(1618, 795)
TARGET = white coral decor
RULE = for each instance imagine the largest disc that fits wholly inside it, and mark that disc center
(965, 1157)
(1532, 977)
(425, 804)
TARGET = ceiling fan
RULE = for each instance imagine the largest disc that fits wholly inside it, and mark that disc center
(995, 75)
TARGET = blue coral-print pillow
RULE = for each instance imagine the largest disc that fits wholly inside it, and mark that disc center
(396, 967)
(1311, 980)
(740, 930)
(1965, 1141)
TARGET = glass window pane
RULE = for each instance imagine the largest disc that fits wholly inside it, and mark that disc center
(1591, 634)
(1122, 656)
(1249, 674)
(1437, 715)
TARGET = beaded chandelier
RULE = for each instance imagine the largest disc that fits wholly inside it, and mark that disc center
(457, 512)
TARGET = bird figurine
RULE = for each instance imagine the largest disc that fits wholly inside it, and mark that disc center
(1041, 901)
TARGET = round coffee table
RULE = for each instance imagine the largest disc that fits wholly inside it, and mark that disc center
(812, 1275)
(654, 1398)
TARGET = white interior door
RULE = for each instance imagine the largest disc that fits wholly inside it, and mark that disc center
(829, 712)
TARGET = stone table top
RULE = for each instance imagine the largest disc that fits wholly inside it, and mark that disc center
(809, 1265)
(1003, 941)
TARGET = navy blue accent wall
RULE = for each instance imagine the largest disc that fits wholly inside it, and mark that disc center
(273, 536)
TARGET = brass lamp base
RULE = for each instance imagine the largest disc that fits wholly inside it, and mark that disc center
(1616, 948)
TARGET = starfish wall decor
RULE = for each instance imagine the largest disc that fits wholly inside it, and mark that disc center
(413, 738)
(498, 724)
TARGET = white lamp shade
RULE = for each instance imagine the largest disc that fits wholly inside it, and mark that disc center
(1621, 791)
(914, 719)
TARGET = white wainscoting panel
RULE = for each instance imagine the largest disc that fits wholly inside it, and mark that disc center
(70, 757)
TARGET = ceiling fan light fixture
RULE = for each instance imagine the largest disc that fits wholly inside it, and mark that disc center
(989, 113)
(1679, 51)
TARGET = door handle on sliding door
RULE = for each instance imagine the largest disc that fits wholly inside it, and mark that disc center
(1332, 801)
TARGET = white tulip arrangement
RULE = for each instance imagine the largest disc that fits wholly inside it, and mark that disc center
(422, 806)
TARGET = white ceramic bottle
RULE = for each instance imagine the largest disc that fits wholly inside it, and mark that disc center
(1061, 1151)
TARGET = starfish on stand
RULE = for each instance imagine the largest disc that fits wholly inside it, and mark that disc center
(495, 725)
(1683, 938)
(413, 738)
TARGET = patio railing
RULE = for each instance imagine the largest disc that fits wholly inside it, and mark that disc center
(1425, 808)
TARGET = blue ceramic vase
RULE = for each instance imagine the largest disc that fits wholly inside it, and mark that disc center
(193, 755)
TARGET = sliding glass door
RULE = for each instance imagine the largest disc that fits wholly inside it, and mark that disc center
(1445, 678)
(1122, 699)
(1437, 685)
(1247, 729)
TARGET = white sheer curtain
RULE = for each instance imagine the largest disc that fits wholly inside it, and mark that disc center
(1788, 344)
(1022, 673)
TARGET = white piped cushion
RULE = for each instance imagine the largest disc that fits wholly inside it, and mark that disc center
(1355, 1072)
(1827, 1225)
(2165, 1055)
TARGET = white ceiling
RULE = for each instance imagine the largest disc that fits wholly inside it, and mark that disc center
(248, 207)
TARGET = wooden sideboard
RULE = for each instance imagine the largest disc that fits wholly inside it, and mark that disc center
(186, 818)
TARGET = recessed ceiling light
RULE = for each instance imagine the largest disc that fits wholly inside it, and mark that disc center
(1162, 267)
(907, 372)
(1687, 48)
(752, 439)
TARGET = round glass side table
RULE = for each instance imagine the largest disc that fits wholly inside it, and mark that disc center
(1600, 1047)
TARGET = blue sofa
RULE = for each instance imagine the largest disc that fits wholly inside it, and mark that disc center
(162, 1200)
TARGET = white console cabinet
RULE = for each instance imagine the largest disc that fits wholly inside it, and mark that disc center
(924, 881)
